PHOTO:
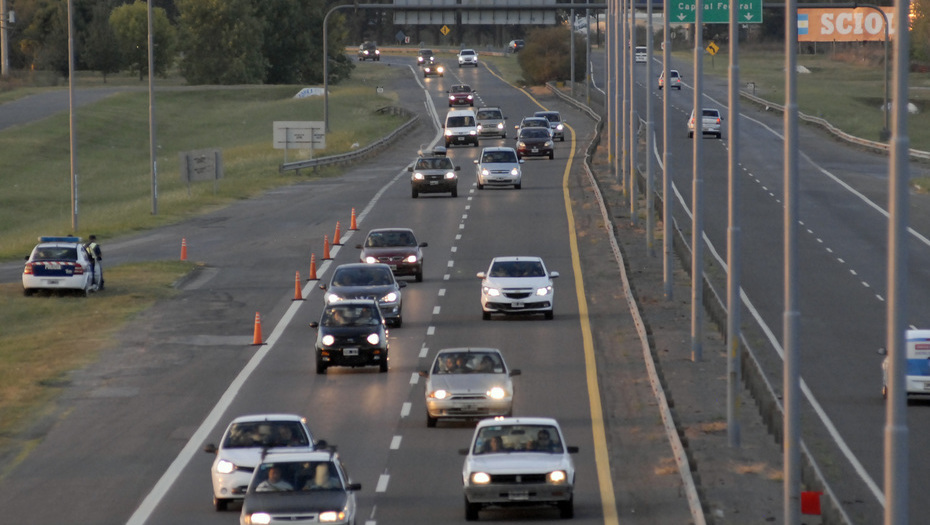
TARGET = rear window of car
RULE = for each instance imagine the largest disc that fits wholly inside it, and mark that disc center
(54, 253)
(711, 113)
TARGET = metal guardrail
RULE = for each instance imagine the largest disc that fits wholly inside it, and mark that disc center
(344, 158)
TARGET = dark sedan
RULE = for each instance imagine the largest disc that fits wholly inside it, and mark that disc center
(535, 142)
(367, 281)
(351, 333)
(395, 247)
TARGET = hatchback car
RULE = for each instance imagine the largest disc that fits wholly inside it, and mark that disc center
(246, 440)
(367, 281)
(434, 174)
(306, 487)
(518, 462)
(461, 95)
(432, 69)
(534, 122)
(555, 123)
(61, 264)
(517, 285)
(535, 142)
(710, 123)
(369, 51)
(499, 167)
(468, 383)
(351, 333)
(674, 79)
(468, 57)
(491, 122)
(396, 247)
(425, 57)
(515, 46)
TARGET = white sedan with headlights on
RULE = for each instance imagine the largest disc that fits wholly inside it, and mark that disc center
(468, 383)
(244, 443)
(517, 285)
(521, 461)
(499, 167)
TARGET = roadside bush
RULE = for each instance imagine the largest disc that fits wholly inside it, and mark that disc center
(547, 56)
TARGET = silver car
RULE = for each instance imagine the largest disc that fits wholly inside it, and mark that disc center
(556, 124)
(491, 122)
(368, 281)
(499, 167)
(518, 461)
(710, 123)
(468, 383)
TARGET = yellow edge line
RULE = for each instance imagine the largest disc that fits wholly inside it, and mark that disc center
(601, 457)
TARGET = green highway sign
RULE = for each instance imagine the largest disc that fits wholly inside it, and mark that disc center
(715, 12)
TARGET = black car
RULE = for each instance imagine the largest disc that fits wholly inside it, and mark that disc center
(534, 142)
(369, 51)
(367, 281)
(434, 174)
(433, 69)
(351, 333)
(425, 57)
(461, 95)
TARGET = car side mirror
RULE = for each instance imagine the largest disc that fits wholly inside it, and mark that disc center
(423, 373)
(358, 246)
(210, 449)
(553, 275)
(515, 372)
(458, 168)
(409, 168)
(321, 444)
(572, 450)
(481, 275)
(314, 324)
(463, 451)
(401, 284)
(354, 486)
(322, 287)
(521, 161)
(424, 244)
(476, 162)
(882, 351)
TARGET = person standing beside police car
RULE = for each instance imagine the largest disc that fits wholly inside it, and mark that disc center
(96, 256)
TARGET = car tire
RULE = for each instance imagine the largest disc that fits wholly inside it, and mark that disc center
(549, 315)
(884, 392)
(430, 421)
(567, 509)
(220, 504)
(455, 192)
(383, 365)
(28, 292)
(690, 134)
(471, 510)
(517, 186)
(552, 155)
(719, 136)
(419, 276)
(503, 135)
(398, 322)
(562, 139)
(486, 316)
(320, 366)
(480, 186)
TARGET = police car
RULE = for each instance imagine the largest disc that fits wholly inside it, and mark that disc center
(62, 264)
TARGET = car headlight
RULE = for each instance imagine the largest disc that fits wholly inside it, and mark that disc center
(225, 467)
(497, 393)
(448, 132)
(440, 69)
(559, 127)
(557, 477)
(327, 340)
(330, 516)
(373, 339)
(548, 143)
(500, 125)
(515, 172)
(480, 478)
(485, 172)
(450, 175)
(371, 260)
(333, 298)
(439, 394)
(521, 144)
(390, 297)
(260, 518)
(418, 176)
(470, 97)
(377, 51)
(493, 292)
(546, 290)
(411, 259)
(472, 132)
(480, 127)
(452, 97)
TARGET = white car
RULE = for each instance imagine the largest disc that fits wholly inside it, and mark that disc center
(244, 443)
(499, 167)
(710, 123)
(468, 383)
(61, 264)
(517, 285)
(518, 462)
(468, 57)
(305, 487)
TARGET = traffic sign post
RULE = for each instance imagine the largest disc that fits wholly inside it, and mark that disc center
(715, 12)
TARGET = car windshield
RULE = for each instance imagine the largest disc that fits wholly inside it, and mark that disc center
(251, 434)
(517, 269)
(345, 315)
(460, 122)
(498, 439)
(370, 276)
(468, 363)
(438, 163)
(297, 476)
(551, 117)
(534, 133)
(460, 89)
(488, 114)
(55, 253)
(391, 238)
(490, 157)
(535, 123)
(467, 52)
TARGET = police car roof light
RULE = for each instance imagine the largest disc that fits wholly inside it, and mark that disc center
(59, 239)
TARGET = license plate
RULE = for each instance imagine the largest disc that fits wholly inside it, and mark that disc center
(519, 495)
(535, 150)
(516, 305)
(434, 183)
(392, 266)
(51, 281)
(350, 352)
(927, 386)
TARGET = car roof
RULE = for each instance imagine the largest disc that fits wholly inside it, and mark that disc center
(376, 230)
(268, 417)
(467, 349)
(302, 456)
(497, 148)
(464, 50)
(517, 421)
(541, 113)
(516, 258)
(485, 108)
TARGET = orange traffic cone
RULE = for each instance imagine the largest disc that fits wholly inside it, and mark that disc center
(257, 338)
(336, 241)
(297, 294)
(183, 249)
(312, 267)
(326, 256)
(352, 225)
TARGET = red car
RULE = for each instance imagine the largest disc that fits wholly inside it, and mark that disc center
(395, 247)
(462, 95)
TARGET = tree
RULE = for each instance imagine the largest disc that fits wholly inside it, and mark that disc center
(547, 55)
(130, 25)
(920, 31)
(221, 42)
(100, 51)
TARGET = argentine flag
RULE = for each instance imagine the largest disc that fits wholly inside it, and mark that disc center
(802, 24)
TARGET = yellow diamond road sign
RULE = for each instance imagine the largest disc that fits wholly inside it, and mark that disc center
(445, 30)
(712, 48)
